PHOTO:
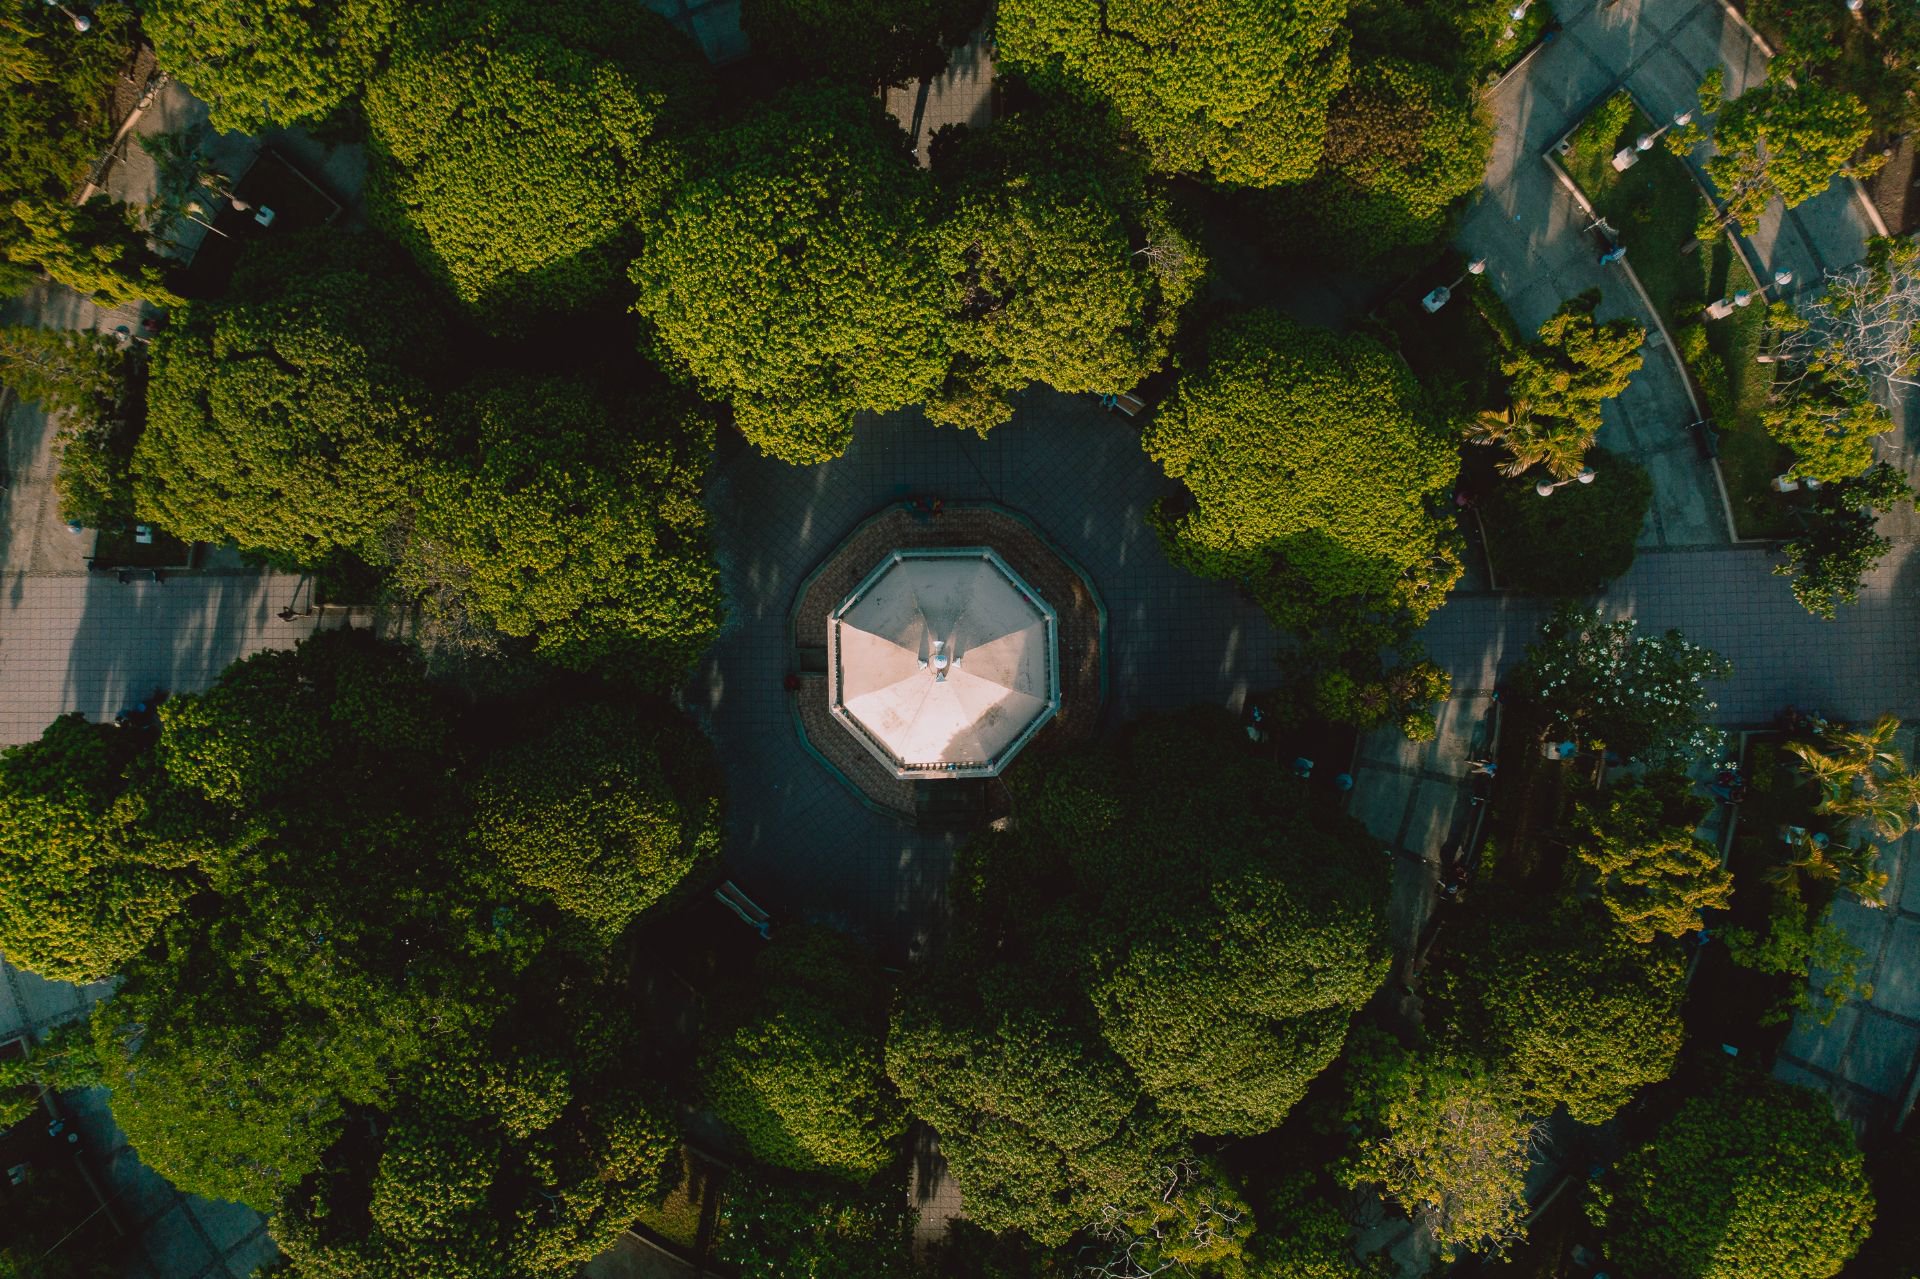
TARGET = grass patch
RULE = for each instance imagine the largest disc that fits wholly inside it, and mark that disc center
(677, 1218)
(1655, 206)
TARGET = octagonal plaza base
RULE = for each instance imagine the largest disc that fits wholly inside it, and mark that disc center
(1081, 626)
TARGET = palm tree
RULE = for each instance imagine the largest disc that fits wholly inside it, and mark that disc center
(1531, 441)
(1833, 773)
(1870, 748)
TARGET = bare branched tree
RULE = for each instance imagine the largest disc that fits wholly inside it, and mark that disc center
(1862, 324)
(1192, 1216)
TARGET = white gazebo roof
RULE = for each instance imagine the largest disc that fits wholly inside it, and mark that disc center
(943, 662)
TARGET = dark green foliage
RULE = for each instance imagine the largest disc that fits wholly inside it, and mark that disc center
(1839, 542)
(550, 516)
(790, 275)
(795, 1058)
(290, 416)
(514, 155)
(416, 1058)
(1302, 1236)
(270, 62)
(769, 1231)
(1316, 468)
(82, 377)
(53, 126)
(1562, 1009)
(1238, 89)
(865, 41)
(1058, 265)
(604, 814)
(1755, 1177)
(1874, 54)
(499, 1166)
(89, 869)
(1404, 143)
(1574, 541)
(1169, 933)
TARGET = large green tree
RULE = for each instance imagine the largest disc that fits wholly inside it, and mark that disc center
(548, 515)
(790, 274)
(1404, 143)
(88, 871)
(413, 1056)
(1557, 384)
(1238, 89)
(86, 379)
(1443, 1141)
(603, 813)
(1653, 874)
(794, 1060)
(258, 63)
(516, 154)
(1316, 469)
(1839, 540)
(290, 416)
(866, 41)
(1564, 1010)
(1171, 939)
(1784, 141)
(1058, 265)
(1753, 1178)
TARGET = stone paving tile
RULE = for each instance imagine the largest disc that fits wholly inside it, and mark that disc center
(1822, 1047)
(1896, 985)
(175, 1246)
(1881, 1055)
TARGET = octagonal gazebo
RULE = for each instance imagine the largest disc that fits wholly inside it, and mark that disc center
(943, 663)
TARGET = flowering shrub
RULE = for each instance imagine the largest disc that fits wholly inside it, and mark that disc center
(1606, 686)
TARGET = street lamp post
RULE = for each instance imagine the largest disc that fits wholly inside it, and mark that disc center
(81, 22)
(1626, 157)
(1440, 296)
(1545, 488)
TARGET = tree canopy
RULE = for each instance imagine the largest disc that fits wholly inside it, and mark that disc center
(290, 415)
(1558, 383)
(1784, 142)
(603, 814)
(1442, 1140)
(1404, 142)
(795, 1058)
(88, 875)
(416, 1058)
(1840, 541)
(1653, 874)
(551, 516)
(257, 63)
(1238, 89)
(1082, 1024)
(516, 154)
(1604, 684)
(1058, 265)
(1316, 468)
(1755, 1177)
(865, 41)
(789, 274)
(1564, 1011)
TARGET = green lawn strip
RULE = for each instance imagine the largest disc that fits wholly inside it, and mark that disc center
(1655, 206)
(677, 1220)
